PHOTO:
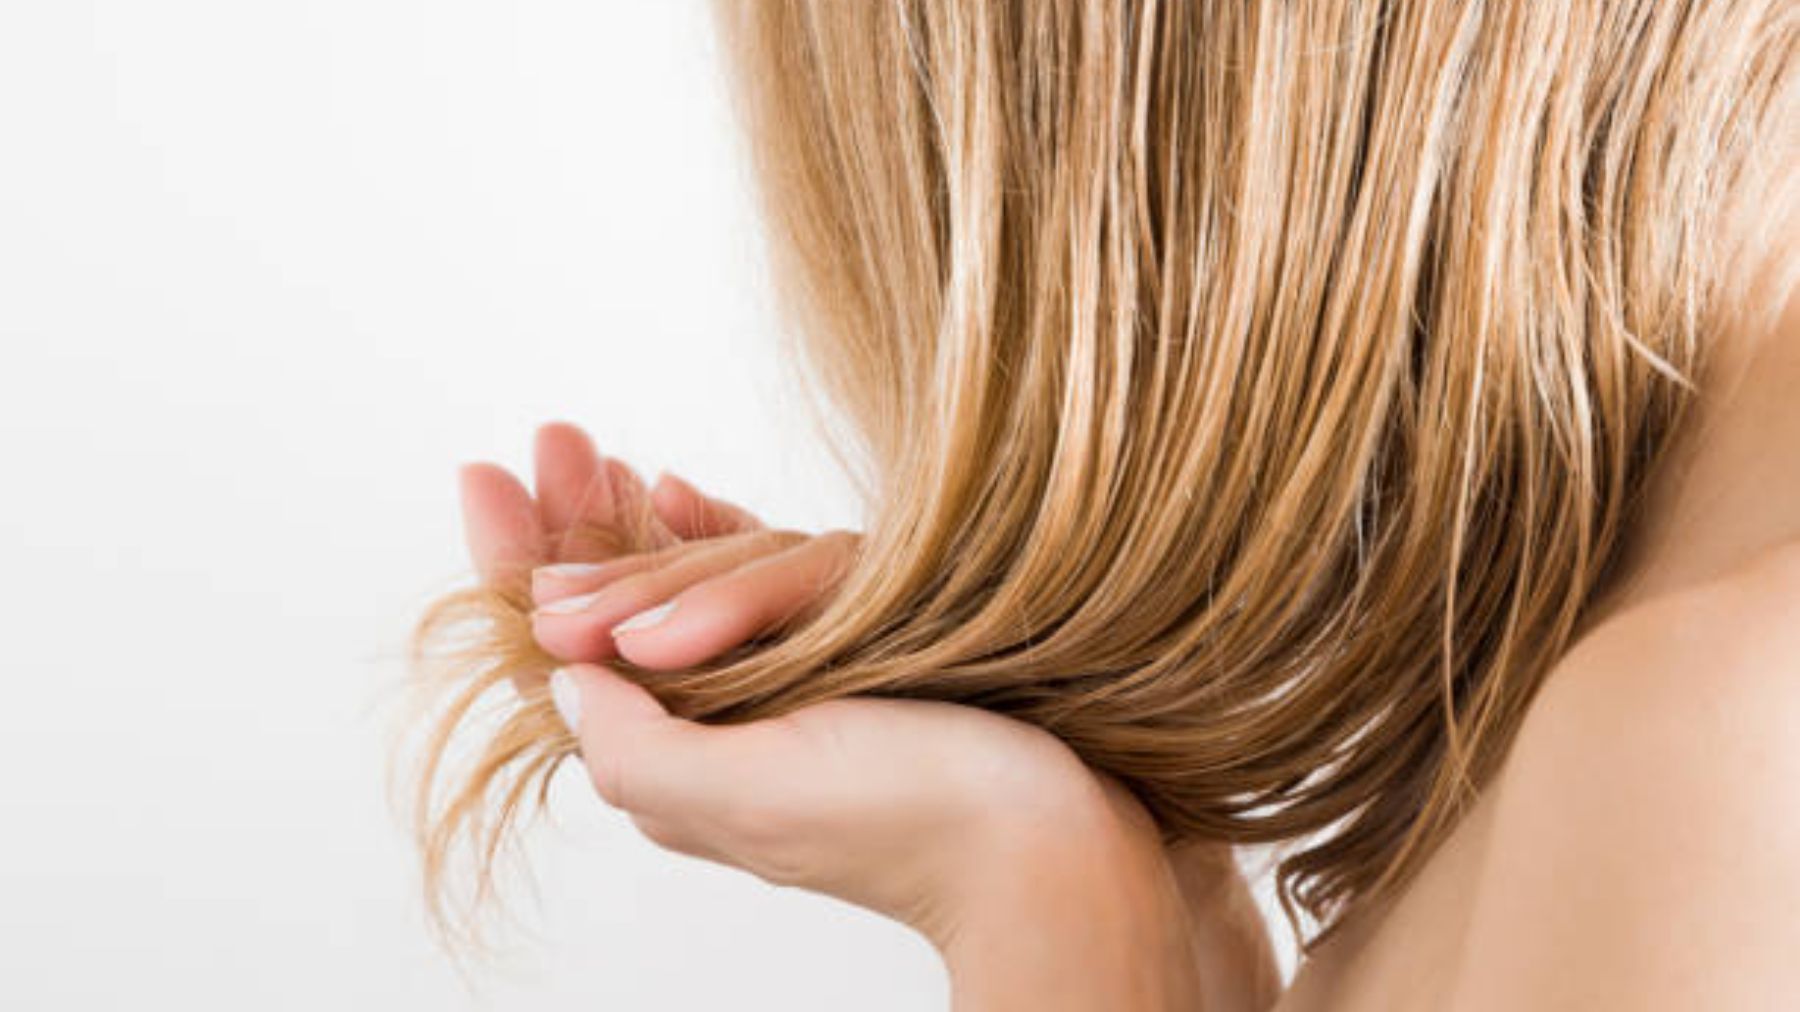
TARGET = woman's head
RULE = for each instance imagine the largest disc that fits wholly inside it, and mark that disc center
(1251, 394)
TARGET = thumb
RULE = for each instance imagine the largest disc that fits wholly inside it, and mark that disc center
(642, 759)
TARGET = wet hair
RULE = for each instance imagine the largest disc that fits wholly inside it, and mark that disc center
(1253, 395)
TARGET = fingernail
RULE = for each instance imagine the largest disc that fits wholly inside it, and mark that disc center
(571, 570)
(645, 619)
(570, 605)
(567, 697)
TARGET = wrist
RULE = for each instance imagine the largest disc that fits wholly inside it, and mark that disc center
(1232, 948)
(1076, 910)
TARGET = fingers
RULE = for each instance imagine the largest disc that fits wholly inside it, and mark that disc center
(579, 519)
(760, 796)
(579, 492)
(713, 615)
(691, 514)
(588, 503)
(660, 768)
(500, 522)
(567, 473)
(629, 496)
(582, 627)
(550, 584)
(855, 798)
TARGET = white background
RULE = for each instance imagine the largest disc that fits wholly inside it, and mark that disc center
(268, 273)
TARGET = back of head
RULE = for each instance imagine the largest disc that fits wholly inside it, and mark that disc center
(1252, 394)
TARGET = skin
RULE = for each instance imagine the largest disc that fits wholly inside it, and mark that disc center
(1630, 854)
(871, 801)
(1638, 848)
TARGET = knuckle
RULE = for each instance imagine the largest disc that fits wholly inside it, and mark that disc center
(637, 592)
(717, 609)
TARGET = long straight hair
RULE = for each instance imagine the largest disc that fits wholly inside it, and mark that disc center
(1251, 394)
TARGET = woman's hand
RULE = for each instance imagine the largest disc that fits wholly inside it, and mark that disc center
(1043, 884)
(690, 602)
(510, 532)
(862, 798)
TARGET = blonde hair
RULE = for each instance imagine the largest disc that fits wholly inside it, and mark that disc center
(1253, 394)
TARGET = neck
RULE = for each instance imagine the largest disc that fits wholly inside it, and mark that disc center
(1729, 489)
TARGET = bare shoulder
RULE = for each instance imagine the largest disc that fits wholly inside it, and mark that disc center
(1704, 669)
(1644, 849)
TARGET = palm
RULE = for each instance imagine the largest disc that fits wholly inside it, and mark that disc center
(876, 771)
